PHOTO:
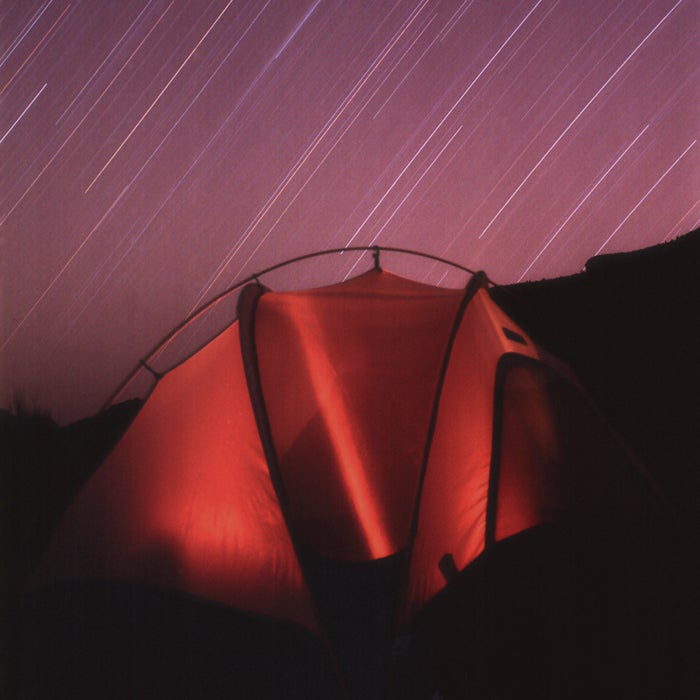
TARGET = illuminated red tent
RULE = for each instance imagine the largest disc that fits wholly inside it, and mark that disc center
(359, 422)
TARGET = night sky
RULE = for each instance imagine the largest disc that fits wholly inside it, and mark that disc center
(153, 152)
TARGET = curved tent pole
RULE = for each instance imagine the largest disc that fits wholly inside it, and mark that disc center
(161, 345)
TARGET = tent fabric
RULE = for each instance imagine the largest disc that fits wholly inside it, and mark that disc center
(349, 375)
(453, 502)
(185, 500)
(355, 421)
(555, 458)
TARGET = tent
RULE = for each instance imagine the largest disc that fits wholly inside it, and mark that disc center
(326, 472)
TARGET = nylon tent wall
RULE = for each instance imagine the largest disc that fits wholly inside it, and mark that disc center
(376, 420)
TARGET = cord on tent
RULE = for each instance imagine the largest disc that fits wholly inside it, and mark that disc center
(156, 374)
(375, 255)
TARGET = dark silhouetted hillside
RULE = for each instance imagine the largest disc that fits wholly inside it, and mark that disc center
(629, 326)
(42, 465)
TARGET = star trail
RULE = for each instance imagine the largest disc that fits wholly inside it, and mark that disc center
(155, 151)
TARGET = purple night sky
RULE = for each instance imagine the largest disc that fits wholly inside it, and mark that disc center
(154, 151)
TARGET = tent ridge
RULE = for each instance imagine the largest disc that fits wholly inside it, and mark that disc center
(477, 282)
(255, 277)
(247, 308)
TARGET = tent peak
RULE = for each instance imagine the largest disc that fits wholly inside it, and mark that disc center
(376, 250)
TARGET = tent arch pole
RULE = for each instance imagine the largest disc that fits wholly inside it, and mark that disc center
(247, 313)
(477, 282)
(146, 361)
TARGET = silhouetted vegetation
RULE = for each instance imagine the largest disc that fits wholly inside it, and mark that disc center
(41, 466)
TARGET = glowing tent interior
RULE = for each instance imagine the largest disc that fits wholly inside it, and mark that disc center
(345, 451)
